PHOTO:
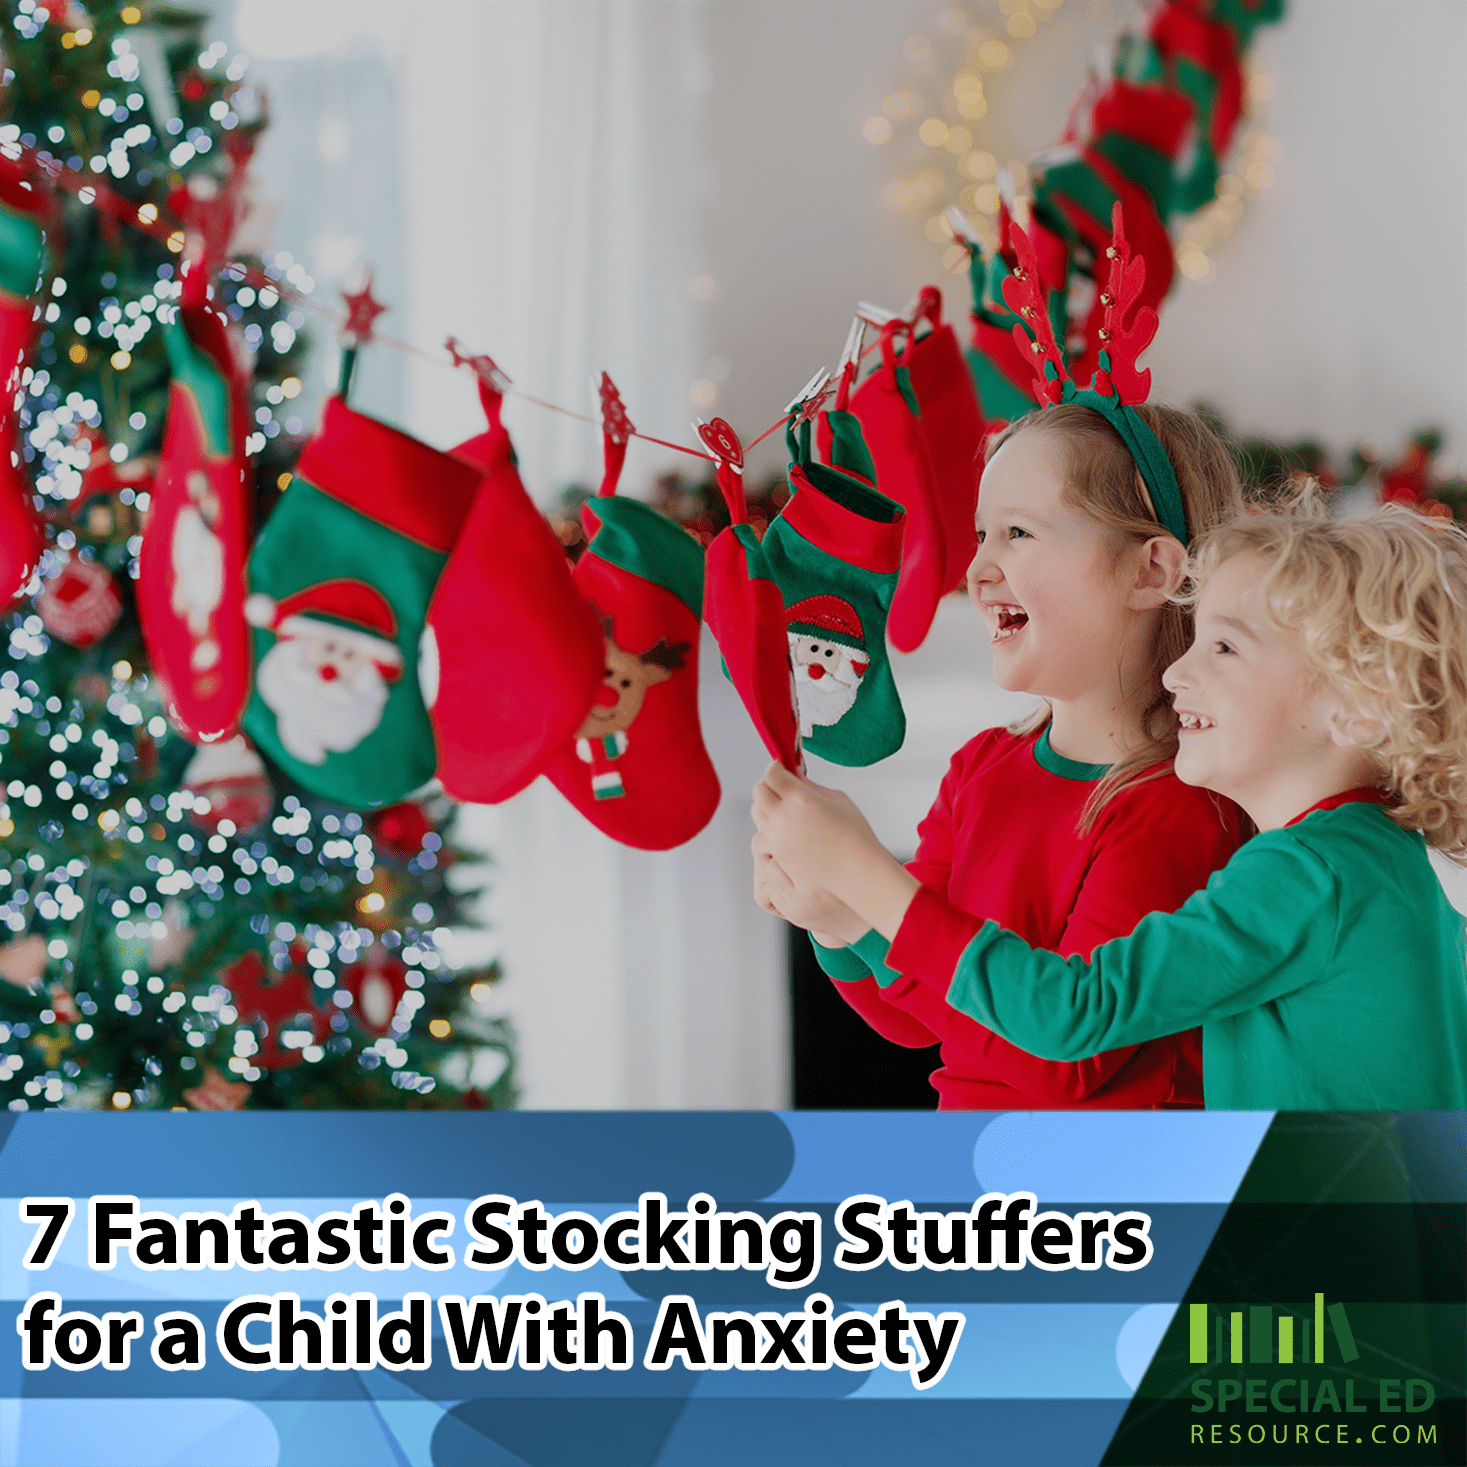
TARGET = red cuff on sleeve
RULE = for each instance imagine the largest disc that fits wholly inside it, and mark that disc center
(931, 940)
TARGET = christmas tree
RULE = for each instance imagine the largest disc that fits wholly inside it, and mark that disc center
(181, 927)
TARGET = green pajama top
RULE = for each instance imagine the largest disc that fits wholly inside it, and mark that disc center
(1323, 962)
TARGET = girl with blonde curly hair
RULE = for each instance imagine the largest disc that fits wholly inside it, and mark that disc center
(1326, 693)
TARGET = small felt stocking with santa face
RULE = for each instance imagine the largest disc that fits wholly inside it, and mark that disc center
(511, 653)
(636, 767)
(340, 580)
(835, 553)
(191, 586)
(891, 425)
(28, 219)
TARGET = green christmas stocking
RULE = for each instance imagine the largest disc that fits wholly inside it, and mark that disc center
(835, 554)
(340, 580)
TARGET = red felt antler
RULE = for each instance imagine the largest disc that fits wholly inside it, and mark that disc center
(1120, 342)
(1023, 292)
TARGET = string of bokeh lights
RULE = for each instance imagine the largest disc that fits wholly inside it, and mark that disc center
(935, 122)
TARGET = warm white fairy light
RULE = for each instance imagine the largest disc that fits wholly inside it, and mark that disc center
(936, 122)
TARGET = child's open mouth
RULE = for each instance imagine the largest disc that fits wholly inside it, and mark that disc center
(1192, 722)
(1011, 619)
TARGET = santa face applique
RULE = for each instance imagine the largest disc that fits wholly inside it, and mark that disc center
(602, 736)
(328, 675)
(829, 659)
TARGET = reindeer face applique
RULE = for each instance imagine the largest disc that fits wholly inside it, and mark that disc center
(602, 736)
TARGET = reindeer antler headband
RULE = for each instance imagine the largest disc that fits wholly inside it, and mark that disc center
(1117, 384)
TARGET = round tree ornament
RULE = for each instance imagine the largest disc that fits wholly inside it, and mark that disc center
(228, 781)
(80, 604)
(377, 985)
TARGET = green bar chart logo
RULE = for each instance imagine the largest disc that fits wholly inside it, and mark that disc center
(1274, 1335)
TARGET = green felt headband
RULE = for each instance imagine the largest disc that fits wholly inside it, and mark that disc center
(1150, 458)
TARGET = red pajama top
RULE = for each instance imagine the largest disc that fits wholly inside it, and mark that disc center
(1002, 843)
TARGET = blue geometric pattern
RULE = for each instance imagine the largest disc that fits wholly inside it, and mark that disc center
(1043, 1370)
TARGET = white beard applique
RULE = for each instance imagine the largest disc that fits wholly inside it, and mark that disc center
(198, 580)
(827, 679)
(326, 697)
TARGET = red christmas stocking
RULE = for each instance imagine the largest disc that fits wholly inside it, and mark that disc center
(636, 767)
(512, 653)
(744, 609)
(887, 406)
(28, 218)
(953, 429)
(191, 584)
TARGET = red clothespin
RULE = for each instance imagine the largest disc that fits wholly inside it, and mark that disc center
(493, 383)
(849, 365)
(484, 367)
(723, 443)
(810, 398)
(616, 432)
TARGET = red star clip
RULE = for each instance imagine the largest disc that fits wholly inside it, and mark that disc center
(362, 311)
(484, 367)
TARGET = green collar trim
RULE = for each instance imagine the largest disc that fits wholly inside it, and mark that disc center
(1046, 758)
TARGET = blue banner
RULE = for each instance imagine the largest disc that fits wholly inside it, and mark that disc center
(557, 1290)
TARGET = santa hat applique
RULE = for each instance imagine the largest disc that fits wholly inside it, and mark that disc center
(832, 620)
(358, 613)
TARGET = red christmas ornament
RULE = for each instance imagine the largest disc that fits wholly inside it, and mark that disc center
(63, 1005)
(80, 603)
(279, 1001)
(399, 829)
(217, 1093)
(1408, 480)
(376, 985)
(228, 781)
